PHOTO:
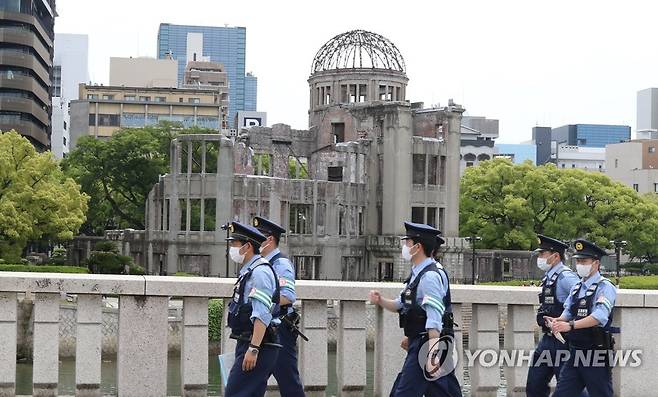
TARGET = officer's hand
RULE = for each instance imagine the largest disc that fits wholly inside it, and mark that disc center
(374, 297)
(560, 326)
(249, 361)
(405, 344)
(549, 320)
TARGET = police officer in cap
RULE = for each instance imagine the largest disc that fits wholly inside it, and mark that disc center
(425, 314)
(285, 372)
(250, 314)
(587, 318)
(557, 283)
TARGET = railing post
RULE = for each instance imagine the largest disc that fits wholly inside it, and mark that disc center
(142, 353)
(8, 339)
(637, 325)
(313, 354)
(483, 335)
(389, 356)
(194, 349)
(227, 344)
(88, 346)
(351, 349)
(46, 345)
(519, 337)
(459, 341)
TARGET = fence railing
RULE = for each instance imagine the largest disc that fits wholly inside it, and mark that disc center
(142, 339)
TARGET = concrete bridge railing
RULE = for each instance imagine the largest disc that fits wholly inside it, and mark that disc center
(142, 344)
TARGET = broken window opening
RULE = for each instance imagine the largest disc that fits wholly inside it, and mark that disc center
(431, 216)
(418, 214)
(432, 170)
(363, 90)
(301, 220)
(338, 132)
(418, 169)
(262, 164)
(297, 167)
(335, 174)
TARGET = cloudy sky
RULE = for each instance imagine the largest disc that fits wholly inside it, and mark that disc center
(525, 63)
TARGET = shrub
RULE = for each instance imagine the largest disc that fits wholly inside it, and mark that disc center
(136, 270)
(58, 257)
(215, 313)
(633, 267)
(651, 268)
(108, 263)
(43, 269)
(185, 274)
(106, 246)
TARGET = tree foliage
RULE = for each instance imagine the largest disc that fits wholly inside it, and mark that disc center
(508, 204)
(37, 201)
(119, 172)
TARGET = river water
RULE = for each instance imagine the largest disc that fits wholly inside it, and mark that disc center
(109, 377)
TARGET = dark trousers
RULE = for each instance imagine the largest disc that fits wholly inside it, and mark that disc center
(541, 372)
(252, 383)
(575, 376)
(412, 383)
(286, 372)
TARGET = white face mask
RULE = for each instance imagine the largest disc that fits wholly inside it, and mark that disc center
(542, 264)
(234, 253)
(406, 252)
(583, 270)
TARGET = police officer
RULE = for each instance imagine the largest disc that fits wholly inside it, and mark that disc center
(425, 313)
(557, 283)
(250, 314)
(587, 318)
(285, 372)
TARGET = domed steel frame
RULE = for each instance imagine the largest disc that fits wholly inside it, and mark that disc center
(358, 49)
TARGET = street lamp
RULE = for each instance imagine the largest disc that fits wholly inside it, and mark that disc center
(226, 227)
(618, 246)
(473, 240)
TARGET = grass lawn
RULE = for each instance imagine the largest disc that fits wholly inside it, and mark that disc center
(627, 282)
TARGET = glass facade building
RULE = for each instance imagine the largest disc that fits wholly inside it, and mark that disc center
(517, 152)
(226, 45)
(26, 68)
(250, 92)
(591, 135)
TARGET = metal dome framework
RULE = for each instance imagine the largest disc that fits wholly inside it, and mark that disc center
(358, 49)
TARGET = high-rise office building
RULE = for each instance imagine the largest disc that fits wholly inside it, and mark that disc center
(250, 92)
(541, 136)
(647, 114)
(225, 45)
(591, 135)
(71, 67)
(26, 68)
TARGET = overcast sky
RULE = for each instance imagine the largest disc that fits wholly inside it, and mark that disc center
(525, 63)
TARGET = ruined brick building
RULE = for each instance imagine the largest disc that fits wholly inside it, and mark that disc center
(369, 160)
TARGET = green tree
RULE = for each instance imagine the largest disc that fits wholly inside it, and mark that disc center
(119, 172)
(37, 201)
(507, 204)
